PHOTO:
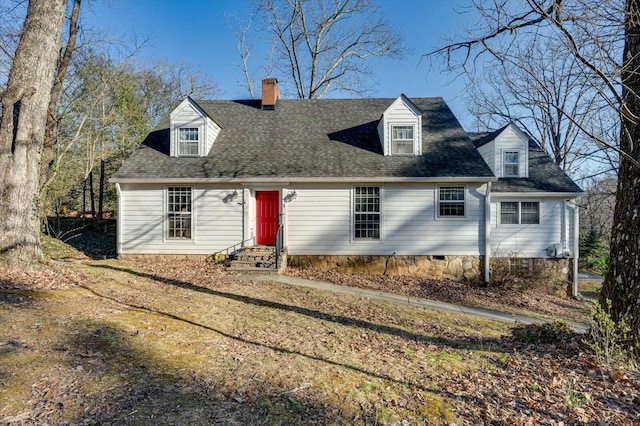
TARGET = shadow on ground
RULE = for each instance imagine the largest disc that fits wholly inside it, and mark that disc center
(141, 389)
(487, 343)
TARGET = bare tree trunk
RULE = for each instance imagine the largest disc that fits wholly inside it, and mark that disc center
(51, 129)
(22, 128)
(92, 195)
(101, 190)
(84, 199)
(622, 283)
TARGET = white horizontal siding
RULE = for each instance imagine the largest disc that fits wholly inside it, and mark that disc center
(319, 222)
(211, 134)
(216, 224)
(571, 218)
(488, 153)
(527, 240)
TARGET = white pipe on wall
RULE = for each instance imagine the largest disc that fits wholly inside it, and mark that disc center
(487, 234)
(576, 246)
(119, 222)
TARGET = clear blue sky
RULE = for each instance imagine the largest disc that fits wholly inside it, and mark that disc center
(197, 32)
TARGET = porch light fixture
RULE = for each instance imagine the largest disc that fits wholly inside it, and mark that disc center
(290, 196)
(293, 195)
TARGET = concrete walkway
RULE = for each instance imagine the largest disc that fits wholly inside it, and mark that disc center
(587, 276)
(405, 300)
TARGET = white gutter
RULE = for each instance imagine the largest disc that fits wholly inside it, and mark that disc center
(320, 179)
(576, 246)
(527, 195)
(119, 222)
(487, 234)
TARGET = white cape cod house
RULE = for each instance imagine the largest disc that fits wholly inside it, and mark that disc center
(392, 185)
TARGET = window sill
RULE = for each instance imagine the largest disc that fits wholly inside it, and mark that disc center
(451, 218)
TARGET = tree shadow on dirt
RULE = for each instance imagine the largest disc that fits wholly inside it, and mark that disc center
(486, 343)
(128, 385)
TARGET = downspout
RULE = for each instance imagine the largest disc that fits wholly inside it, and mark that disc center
(565, 227)
(243, 220)
(119, 223)
(576, 246)
(487, 234)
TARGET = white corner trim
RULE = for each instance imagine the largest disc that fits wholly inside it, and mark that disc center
(119, 221)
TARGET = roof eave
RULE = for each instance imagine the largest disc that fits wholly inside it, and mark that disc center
(351, 179)
(536, 194)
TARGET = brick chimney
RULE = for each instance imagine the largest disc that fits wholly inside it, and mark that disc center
(270, 93)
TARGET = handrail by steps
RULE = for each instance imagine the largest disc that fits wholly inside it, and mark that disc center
(217, 256)
(278, 244)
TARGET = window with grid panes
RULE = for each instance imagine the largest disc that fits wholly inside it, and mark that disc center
(179, 212)
(451, 201)
(529, 212)
(188, 141)
(402, 139)
(516, 212)
(509, 213)
(511, 164)
(366, 219)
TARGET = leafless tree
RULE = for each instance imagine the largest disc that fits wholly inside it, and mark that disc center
(61, 71)
(12, 13)
(245, 45)
(322, 46)
(107, 107)
(22, 127)
(597, 206)
(604, 37)
(537, 88)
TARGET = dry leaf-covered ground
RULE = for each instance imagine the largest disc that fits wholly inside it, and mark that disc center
(182, 342)
(520, 297)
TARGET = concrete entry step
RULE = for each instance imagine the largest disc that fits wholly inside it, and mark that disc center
(258, 258)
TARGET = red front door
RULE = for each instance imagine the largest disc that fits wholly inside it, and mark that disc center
(267, 209)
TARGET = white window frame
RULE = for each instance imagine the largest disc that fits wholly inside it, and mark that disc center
(188, 141)
(404, 142)
(462, 202)
(179, 214)
(354, 213)
(519, 213)
(505, 164)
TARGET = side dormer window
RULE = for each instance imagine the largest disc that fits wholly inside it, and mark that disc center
(511, 164)
(402, 140)
(188, 141)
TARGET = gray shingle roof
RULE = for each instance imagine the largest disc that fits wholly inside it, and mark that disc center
(544, 174)
(334, 138)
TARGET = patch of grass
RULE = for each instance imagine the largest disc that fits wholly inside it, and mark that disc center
(80, 238)
(590, 289)
(56, 249)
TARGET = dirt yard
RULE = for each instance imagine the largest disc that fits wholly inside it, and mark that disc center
(182, 342)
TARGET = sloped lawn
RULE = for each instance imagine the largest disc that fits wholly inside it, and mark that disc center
(165, 342)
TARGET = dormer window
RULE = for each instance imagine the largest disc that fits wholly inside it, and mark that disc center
(400, 127)
(402, 141)
(188, 141)
(511, 164)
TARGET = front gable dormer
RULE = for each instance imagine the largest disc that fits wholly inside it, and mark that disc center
(507, 153)
(192, 131)
(400, 128)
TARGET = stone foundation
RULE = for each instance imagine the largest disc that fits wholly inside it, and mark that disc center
(457, 268)
(555, 276)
